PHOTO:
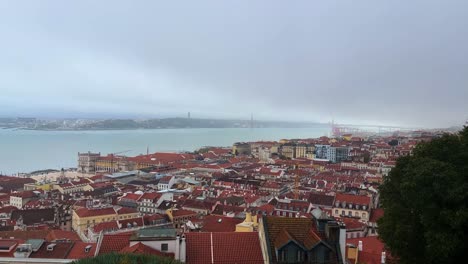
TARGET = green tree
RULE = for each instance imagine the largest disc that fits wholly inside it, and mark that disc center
(425, 199)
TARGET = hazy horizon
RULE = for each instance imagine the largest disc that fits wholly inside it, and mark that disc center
(361, 62)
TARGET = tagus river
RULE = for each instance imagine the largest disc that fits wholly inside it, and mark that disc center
(30, 150)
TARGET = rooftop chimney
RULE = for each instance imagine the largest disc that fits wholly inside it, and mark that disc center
(383, 257)
(177, 248)
(360, 245)
(182, 249)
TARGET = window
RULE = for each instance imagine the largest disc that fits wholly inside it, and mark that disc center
(356, 214)
(300, 256)
(336, 212)
(363, 215)
(350, 213)
(164, 247)
(283, 255)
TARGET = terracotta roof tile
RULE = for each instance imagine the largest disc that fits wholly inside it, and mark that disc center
(213, 223)
(301, 230)
(88, 212)
(114, 243)
(376, 214)
(60, 250)
(243, 247)
(140, 248)
(57, 234)
(354, 199)
(78, 250)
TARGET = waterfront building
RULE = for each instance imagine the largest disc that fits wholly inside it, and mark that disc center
(241, 148)
(87, 162)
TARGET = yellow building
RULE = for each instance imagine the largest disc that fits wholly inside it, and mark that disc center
(250, 224)
(305, 151)
(241, 148)
(89, 217)
(38, 186)
(78, 185)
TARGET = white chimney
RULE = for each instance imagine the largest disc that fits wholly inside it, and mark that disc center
(360, 245)
(182, 249)
(343, 241)
(177, 248)
(383, 257)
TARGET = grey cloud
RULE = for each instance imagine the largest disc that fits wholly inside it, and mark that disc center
(392, 62)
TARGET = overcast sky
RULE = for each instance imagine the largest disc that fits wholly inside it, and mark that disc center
(380, 62)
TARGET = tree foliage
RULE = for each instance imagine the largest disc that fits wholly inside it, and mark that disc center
(425, 199)
(119, 258)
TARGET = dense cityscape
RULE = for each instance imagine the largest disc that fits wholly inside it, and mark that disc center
(233, 132)
(287, 201)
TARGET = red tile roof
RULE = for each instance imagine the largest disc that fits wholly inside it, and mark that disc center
(25, 235)
(78, 250)
(232, 247)
(214, 223)
(140, 248)
(302, 230)
(353, 223)
(57, 234)
(353, 199)
(11, 244)
(89, 212)
(126, 210)
(106, 226)
(372, 248)
(150, 196)
(114, 243)
(131, 196)
(376, 214)
(60, 250)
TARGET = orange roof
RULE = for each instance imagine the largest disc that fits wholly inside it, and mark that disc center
(353, 199)
(372, 248)
(56, 234)
(215, 223)
(376, 214)
(89, 212)
(78, 250)
(150, 196)
(114, 243)
(140, 248)
(126, 210)
(106, 226)
(237, 247)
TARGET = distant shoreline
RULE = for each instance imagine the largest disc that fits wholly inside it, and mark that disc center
(136, 124)
(160, 128)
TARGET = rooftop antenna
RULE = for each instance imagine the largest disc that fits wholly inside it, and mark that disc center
(147, 150)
